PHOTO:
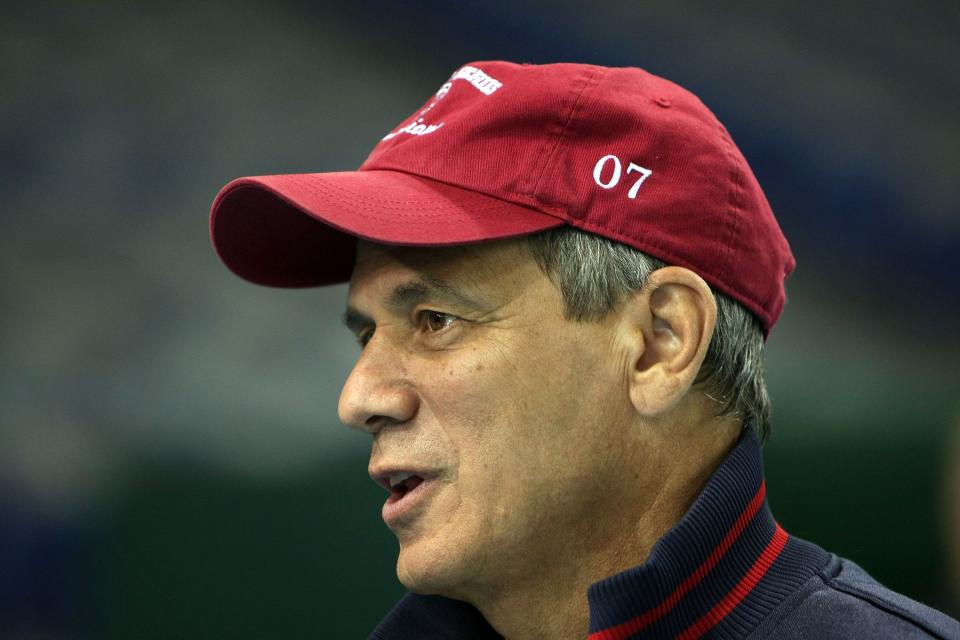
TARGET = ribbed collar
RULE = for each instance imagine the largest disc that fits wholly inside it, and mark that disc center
(717, 573)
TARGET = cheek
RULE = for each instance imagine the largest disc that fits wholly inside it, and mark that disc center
(522, 421)
(481, 408)
(506, 414)
(477, 412)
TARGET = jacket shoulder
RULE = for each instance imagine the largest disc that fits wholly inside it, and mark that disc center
(859, 585)
(844, 601)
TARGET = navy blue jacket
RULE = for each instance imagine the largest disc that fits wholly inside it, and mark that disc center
(726, 570)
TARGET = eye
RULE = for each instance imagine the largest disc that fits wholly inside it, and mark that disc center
(364, 336)
(435, 321)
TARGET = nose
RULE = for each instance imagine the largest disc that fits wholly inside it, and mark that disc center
(377, 393)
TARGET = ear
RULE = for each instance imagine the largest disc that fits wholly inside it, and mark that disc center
(668, 325)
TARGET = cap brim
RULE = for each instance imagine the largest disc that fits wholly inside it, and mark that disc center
(300, 230)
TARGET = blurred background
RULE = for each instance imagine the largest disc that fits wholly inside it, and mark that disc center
(170, 460)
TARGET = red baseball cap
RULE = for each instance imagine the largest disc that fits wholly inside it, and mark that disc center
(505, 150)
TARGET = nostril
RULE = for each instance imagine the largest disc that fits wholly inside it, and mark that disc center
(368, 403)
(375, 423)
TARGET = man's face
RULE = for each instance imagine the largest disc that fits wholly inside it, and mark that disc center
(508, 415)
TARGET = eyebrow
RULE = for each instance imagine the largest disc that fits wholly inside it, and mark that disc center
(409, 294)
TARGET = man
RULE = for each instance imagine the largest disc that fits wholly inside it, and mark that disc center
(562, 277)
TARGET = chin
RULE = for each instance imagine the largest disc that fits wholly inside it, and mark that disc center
(429, 568)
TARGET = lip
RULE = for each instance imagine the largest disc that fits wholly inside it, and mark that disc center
(399, 510)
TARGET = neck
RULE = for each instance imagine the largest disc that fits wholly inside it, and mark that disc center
(548, 598)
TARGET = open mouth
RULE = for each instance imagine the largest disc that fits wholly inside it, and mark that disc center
(409, 495)
(400, 484)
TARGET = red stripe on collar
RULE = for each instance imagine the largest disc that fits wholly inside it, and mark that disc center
(634, 625)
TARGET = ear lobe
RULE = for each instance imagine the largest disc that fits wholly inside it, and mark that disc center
(676, 313)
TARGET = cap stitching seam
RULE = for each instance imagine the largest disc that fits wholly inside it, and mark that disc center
(437, 205)
(499, 205)
(733, 195)
(594, 72)
(733, 212)
(500, 209)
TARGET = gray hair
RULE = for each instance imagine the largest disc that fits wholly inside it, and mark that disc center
(595, 275)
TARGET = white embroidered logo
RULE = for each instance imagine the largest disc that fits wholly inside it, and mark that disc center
(476, 77)
(415, 128)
